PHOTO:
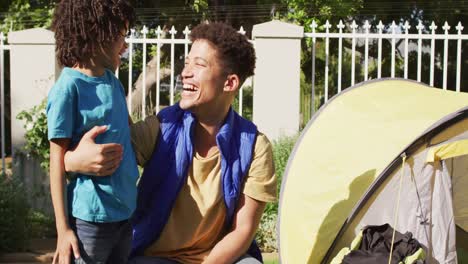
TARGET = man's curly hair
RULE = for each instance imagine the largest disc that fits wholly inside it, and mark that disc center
(83, 27)
(236, 53)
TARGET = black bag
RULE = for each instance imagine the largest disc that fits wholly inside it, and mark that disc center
(375, 246)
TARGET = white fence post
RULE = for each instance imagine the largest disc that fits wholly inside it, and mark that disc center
(2, 98)
(172, 32)
(380, 27)
(277, 78)
(354, 26)
(392, 69)
(327, 52)
(406, 27)
(420, 28)
(240, 96)
(130, 69)
(144, 31)
(459, 50)
(433, 27)
(33, 70)
(446, 28)
(313, 26)
(158, 68)
(340, 27)
(366, 27)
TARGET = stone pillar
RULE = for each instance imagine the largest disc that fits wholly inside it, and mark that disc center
(276, 91)
(33, 70)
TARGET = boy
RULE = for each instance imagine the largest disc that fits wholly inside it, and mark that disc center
(90, 37)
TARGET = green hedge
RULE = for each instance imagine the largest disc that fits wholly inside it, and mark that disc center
(35, 124)
(18, 222)
(267, 233)
(14, 211)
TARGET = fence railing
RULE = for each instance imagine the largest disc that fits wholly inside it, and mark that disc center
(359, 36)
(393, 33)
(3, 47)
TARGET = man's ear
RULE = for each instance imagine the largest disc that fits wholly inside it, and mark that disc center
(232, 83)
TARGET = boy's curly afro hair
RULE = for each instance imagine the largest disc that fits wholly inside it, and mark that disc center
(235, 52)
(83, 27)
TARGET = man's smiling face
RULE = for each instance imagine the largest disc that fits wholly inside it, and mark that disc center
(202, 77)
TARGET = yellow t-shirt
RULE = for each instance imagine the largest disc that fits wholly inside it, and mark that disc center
(196, 222)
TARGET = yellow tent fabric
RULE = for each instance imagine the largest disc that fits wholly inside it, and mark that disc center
(449, 150)
(344, 148)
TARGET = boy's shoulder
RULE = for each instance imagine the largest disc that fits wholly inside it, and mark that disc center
(110, 75)
(66, 83)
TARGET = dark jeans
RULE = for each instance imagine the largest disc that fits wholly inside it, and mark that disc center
(102, 243)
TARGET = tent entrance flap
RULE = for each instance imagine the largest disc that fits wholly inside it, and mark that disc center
(457, 168)
(422, 202)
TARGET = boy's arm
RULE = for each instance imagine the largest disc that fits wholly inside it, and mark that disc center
(66, 241)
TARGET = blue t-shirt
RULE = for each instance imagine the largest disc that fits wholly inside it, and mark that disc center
(77, 103)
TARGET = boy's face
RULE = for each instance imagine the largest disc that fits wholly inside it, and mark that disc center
(202, 77)
(111, 55)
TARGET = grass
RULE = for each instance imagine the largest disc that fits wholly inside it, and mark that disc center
(270, 258)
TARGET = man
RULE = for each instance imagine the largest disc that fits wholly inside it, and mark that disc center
(208, 172)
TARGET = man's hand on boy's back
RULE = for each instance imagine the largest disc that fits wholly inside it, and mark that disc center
(107, 157)
(67, 246)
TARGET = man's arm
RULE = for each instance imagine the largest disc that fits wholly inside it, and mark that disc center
(259, 188)
(144, 135)
(103, 159)
(66, 241)
(93, 159)
(236, 243)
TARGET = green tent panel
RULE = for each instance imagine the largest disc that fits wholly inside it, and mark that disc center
(384, 151)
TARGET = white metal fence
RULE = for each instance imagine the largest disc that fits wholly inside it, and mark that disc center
(359, 36)
(158, 41)
(394, 32)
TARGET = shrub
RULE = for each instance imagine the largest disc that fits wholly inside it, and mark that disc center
(281, 150)
(14, 211)
(247, 102)
(41, 225)
(266, 233)
(37, 143)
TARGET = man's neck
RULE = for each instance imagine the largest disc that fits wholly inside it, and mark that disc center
(206, 130)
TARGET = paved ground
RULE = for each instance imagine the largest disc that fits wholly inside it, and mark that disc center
(42, 251)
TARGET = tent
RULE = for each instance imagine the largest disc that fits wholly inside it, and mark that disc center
(384, 151)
